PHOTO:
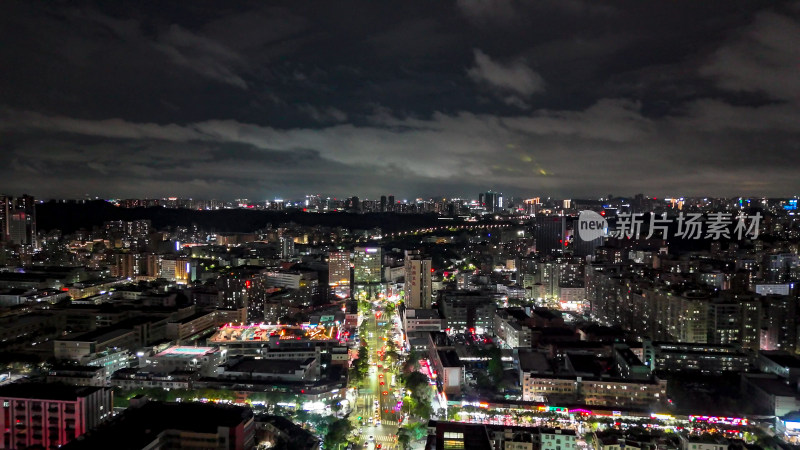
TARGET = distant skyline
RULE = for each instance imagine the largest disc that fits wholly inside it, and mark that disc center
(559, 98)
(428, 198)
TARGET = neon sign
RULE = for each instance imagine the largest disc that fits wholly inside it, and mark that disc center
(719, 420)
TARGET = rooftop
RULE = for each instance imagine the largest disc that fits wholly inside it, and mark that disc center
(449, 358)
(141, 425)
(772, 385)
(194, 316)
(422, 314)
(99, 335)
(187, 352)
(269, 366)
(533, 361)
(46, 391)
(630, 358)
(782, 358)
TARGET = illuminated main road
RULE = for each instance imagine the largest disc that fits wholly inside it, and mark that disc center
(376, 400)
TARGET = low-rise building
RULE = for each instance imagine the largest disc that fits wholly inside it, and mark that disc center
(422, 320)
(49, 415)
(93, 287)
(703, 442)
(448, 370)
(190, 327)
(770, 394)
(540, 382)
(629, 365)
(21, 330)
(512, 331)
(690, 357)
(281, 432)
(203, 360)
(465, 311)
(78, 375)
(249, 368)
(781, 363)
(152, 425)
(454, 435)
(133, 378)
(83, 345)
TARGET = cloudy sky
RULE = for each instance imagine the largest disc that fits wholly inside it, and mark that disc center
(563, 98)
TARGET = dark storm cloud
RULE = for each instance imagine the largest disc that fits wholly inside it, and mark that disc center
(341, 98)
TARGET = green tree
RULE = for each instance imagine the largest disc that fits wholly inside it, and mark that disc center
(496, 370)
(416, 382)
(337, 433)
(404, 438)
(417, 430)
(363, 352)
(421, 393)
(412, 363)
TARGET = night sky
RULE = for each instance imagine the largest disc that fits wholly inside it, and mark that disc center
(562, 98)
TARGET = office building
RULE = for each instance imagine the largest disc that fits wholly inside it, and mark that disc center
(468, 312)
(491, 201)
(20, 220)
(550, 234)
(287, 247)
(367, 263)
(418, 280)
(711, 359)
(5, 213)
(339, 273)
(367, 273)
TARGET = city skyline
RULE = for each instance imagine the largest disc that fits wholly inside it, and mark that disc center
(372, 225)
(570, 98)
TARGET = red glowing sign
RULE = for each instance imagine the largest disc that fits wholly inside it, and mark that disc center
(719, 420)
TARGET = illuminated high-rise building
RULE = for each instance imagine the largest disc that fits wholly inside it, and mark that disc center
(491, 201)
(287, 247)
(367, 272)
(339, 273)
(367, 264)
(20, 220)
(419, 283)
(5, 213)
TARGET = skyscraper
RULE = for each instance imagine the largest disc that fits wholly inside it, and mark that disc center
(581, 247)
(287, 247)
(367, 263)
(339, 273)
(550, 234)
(491, 201)
(367, 272)
(5, 213)
(418, 284)
(19, 220)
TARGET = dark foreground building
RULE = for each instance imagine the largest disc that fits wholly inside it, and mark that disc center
(42, 415)
(157, 425)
